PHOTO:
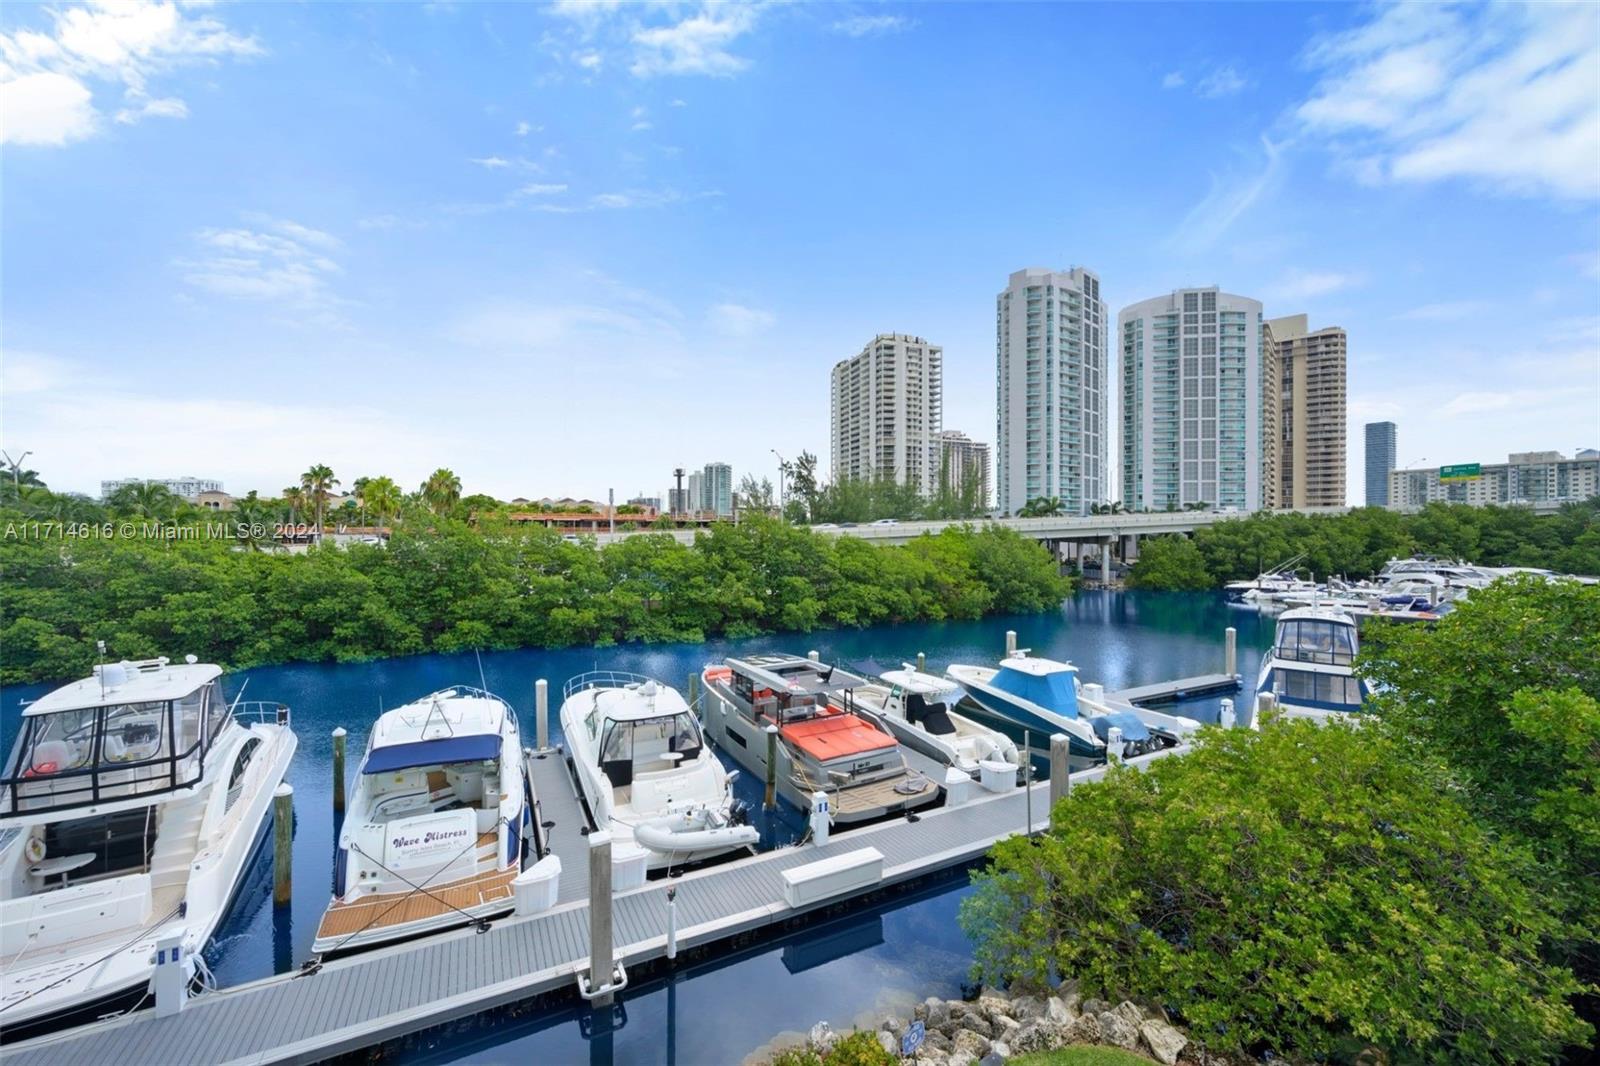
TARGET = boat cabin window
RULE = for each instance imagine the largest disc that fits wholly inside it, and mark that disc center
(1304, 686)
(1317, 641)
(217, 711)
(92, 754)
(240, 765)
(647, 745)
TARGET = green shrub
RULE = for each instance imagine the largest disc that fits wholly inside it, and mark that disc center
(1286, 890)
(860, 1048)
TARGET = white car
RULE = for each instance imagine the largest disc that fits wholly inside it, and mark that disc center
(887, 522)
(825, 525)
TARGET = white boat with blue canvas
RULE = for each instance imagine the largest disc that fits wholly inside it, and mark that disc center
(1046, 697)
(1310, 670)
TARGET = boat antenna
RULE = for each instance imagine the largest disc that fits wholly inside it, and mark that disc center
(100, 648)
(482, 684)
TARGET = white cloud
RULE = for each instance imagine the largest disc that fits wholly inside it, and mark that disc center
(1173, 80)
(872, 25)
(540, 189)
(525, 128)
(734, 320)
(1224, 81)
(45, 108)
(1300, 284)
(697, 44)
(45, 77)
(1448, 311)
(491, 162)
(1230, 197)
(679, 103)
(280, 261)
(1502, 95)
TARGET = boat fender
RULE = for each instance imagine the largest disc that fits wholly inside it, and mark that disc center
(34, 849)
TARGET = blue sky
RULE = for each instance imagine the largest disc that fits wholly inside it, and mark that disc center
(561, 248)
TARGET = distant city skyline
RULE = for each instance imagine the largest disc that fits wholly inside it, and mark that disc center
(541, 245)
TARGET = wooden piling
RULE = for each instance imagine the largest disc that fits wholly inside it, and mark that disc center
(338, 769)
(541, 714)
(600, 964)
(1060, 779)
(1230, 651)
(771, 798)
(282, 844)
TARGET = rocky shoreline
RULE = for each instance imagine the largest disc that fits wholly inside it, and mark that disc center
(997, 1026)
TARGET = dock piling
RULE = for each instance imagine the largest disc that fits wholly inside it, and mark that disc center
(541, 714)
(1113, 745)
(922, 663)
(1011, 642)
(1060, 775)
(821, 818)
(600, 963)
(770, 800)
(694, 690)
(1230, 651)
(282, 844)
(1266, 705)
(1027, 779)
(1226, 718)
(814, 656)
(338, 769)
(672, 923)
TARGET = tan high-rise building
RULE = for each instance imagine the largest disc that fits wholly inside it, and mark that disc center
(1271, 415)
(887, 407)
(1311, 457)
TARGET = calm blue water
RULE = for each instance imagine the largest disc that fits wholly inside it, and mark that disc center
(1116, 638)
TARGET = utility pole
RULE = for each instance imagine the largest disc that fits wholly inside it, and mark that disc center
(783, 492)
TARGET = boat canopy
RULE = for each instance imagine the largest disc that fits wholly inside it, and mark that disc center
(475, 748)
(1053, 691)
(1132, 728)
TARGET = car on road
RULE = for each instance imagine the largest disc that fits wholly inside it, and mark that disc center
(887, 522)
(824, 526)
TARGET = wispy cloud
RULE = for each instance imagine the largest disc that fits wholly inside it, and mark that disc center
(1301, 284)
(872, 25)
(699, 44)
(1499, 94)
(1230, 197)
(653, 39)
(736, 320)
(1224, 81)
(1448, 311)
(1173, 80)
(277, 260)
(491, 162)
(45, 78)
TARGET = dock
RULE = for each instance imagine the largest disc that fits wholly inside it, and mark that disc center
(1184, 688)
(391, 992)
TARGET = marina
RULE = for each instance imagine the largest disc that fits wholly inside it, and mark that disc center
(544, 952)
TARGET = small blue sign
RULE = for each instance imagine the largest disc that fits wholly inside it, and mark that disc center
(914, 1037)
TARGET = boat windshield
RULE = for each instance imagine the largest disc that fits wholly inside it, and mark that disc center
(1053, 691)
(1316, 640)
(91, 755)
(1307, 688)
(645, 745)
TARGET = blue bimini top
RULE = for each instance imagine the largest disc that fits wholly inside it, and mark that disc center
(1054, 692)
(476, 748)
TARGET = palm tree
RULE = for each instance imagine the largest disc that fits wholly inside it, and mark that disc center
(295, 500)
(318, 484)
(381, 496)
(441, 490)
(144, 499)
(1041, 507)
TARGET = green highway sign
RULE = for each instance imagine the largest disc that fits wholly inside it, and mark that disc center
(1460, 472)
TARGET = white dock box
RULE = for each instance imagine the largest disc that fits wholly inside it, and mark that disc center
(537, 888)
(998, 776)
(630, 864)
(854, 871)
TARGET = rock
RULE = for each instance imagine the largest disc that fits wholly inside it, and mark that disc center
(1129, 1012)
(894, 1025)
(927, 1056)
(1058, 1012)
(1002, 1022)
(1084, 1030)
(939, 1041)
(999, 1049)
(991, 1003)
(1115, 1029)
(1068, 993)
(974, 1044)
(1037, 1035)
(961, 1058)
(938, 1013)
(1095, 1006)
(1026, 1008)
(1164, 1042)
(821, 1036)
(974, 1022)
(891, 1043)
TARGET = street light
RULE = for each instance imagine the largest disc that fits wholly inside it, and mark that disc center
(16, 466)
(783, 494)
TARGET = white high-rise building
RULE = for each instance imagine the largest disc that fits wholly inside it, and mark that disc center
(888, 403)
(1052, 390)
(716, 486)
(1194, 386)
(697, 492)
(963, 460)
(189, 488)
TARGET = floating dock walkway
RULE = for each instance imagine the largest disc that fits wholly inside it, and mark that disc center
(389, 992)
(1184, 688)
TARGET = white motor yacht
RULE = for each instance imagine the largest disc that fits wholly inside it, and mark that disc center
(1310, 670)
(799, 711)
(129, 809)
(1045, 696)
(646, 771)
(920, 710)
(437, 824)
